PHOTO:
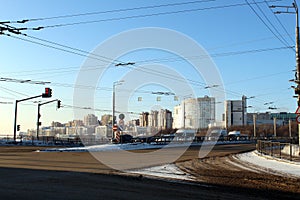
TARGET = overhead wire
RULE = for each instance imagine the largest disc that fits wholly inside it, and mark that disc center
(113, 11)
(266, 17)
(95, 56)
(143, 15)
(226, 54)
(268, 27)
(281, 24)
(197, 83)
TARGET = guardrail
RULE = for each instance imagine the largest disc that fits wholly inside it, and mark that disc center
(277, 149)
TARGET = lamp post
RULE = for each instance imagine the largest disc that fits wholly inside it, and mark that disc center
(114, 103)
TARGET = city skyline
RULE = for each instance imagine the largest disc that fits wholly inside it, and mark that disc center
(205, 106)
(251, 59)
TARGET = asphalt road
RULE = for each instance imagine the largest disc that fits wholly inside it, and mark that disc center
(27, 174)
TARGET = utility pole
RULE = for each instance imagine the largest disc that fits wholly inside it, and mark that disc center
(275, 125)
(114, 105)
(290, 128)
(254, 125)
(297, 78)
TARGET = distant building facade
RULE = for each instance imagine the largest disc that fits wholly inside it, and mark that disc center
(281, 118)
(194, 113)
(161, 119)
(90, 120)
(236, 112)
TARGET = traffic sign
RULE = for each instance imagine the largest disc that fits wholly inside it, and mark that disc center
(298, 111)
(298, 119)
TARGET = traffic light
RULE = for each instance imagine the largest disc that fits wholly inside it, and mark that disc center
(58, 103)
(18, 127)
(48, 93)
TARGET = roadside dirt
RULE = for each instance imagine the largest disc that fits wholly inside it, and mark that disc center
(27, 174)
(228, 171)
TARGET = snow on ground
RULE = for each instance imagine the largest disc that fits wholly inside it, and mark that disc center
(114, 147)
(136, 146)
(271, 164)
(169, 171)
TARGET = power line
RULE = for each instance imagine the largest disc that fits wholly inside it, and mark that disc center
(95, 56)
(144, 15)
(53, 47)
(112, 11)
(12, 92)
(99, 57)
(261, 19)
(23, 81)
(197, 83)
(154, 60)
(278, 20)
(271, 23)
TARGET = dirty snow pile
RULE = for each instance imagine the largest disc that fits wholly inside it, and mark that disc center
(169, 171)
(271, 164)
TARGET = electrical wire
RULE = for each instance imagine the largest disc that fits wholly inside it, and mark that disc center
(197, 83)
(113, 11)
(278, 20)
(278, 33)
(144, 15)
(261, 19)
(139, 69)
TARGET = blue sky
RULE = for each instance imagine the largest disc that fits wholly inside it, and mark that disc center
(232, 35)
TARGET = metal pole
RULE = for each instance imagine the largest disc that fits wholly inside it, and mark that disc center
(15, 120)
(290, 128)
(183, 113)
(113, 111)
(254, 126)
(297, 58)
(38, 123)
(16, 112)
(275, 133)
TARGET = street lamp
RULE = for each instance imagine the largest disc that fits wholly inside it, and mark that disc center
(114, 103)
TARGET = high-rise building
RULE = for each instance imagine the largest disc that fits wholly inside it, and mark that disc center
(161, 119)
(153, 118)
(164, 119)
(90, 120)
(144, 119)
(236, 112)
(194, 113)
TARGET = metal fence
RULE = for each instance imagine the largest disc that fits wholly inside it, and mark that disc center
(277, 149)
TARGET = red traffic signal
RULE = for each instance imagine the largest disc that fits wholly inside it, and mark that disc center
(48, 93)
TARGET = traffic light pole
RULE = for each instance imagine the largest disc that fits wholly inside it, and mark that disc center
(39, 115)
(16, 113)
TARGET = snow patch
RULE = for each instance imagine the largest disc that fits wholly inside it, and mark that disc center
(170, 171)
(270, 163)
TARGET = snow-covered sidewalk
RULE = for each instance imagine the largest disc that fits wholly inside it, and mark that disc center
(271, 164)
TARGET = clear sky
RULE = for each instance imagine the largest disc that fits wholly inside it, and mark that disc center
(249, 45)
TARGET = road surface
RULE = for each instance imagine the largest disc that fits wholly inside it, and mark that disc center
(78, 175)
